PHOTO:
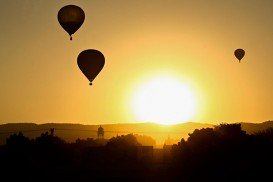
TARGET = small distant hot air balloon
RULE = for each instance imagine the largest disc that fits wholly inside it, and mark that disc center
(91, 63)
(239, 54)
(71, 18)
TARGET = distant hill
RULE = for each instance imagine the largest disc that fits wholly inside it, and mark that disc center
(255, 127)
(71, 132)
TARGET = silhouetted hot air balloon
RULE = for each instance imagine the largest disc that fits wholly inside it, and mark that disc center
(239, 53)
(91, 63)
(71, 18)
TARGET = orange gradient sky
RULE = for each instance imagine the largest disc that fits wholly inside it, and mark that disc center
(192, 41)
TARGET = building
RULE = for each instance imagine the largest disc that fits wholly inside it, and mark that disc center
(100, 133)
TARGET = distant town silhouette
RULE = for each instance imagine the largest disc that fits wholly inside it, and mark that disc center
(223, 153)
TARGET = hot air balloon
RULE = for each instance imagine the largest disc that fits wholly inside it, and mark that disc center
(71, 18)
(239, 54)
(91, 63)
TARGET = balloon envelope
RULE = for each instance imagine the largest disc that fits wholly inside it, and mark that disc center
(71, 18)
(239, 53)
(91, 63)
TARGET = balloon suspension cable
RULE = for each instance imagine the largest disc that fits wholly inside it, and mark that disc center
(70, 37)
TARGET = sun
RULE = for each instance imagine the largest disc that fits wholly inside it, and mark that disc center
(164, 100)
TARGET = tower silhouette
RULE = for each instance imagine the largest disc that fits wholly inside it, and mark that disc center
(100, 133)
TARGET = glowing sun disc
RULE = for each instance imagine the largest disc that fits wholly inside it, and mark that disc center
(164, 100)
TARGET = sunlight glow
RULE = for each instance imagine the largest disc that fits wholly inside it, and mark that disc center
(164, 100)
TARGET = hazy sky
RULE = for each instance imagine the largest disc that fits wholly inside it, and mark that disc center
(191, 40)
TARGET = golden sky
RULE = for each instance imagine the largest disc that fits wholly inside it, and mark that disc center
(192, 41)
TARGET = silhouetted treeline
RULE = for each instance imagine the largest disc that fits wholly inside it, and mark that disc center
(223, 153)
(49, 157)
